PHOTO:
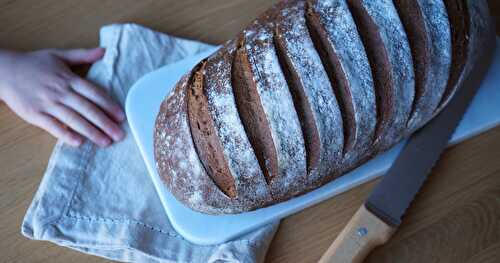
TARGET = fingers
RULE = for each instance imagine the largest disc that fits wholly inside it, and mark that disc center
(88, 90)
(77, 123)
(80, 56)
(94, 115)
(57, 129)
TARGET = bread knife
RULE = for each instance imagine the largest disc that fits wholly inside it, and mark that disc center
(378, 218)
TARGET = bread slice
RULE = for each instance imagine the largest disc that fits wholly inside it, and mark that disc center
(313, 95)
(391, 62)
(459, 19)
(247, 177)
(480, 30)
(177, 159)
(271, 91)
(428, 30)
(470, 22)
(346, 61)
(207, 143)
(252, 113)
(419, 39)
(335, 73)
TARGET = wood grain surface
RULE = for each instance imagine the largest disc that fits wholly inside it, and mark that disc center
(455, 218)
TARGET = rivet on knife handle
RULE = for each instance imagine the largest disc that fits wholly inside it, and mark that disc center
(364, 232)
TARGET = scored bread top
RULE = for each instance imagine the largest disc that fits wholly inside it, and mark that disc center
(469, 24)
(428, 29)
(277, 104)
(250, 185)
(312, 92)
(181, 169)
(309, 91)
(346, 61)
(391, 61)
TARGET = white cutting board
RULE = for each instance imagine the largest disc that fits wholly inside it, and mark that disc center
(142, 105)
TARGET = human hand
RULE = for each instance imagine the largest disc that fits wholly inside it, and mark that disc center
(40, 87)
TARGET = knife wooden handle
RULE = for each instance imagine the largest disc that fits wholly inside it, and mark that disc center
(364, 232)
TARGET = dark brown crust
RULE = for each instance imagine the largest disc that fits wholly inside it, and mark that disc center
(413, 22)
(302, 106)
(381, 68)
(251, 186)
(277, 104)
(337, 77)
(207, 144)
(458, 15)
(252, 113)
(181, 169)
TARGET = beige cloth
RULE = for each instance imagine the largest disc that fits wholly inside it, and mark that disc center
(101, 201)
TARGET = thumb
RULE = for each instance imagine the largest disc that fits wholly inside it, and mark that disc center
(80, 56)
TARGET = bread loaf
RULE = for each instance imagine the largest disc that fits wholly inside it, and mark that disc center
(309, 91)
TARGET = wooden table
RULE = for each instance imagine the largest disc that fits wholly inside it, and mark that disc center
(455, 218)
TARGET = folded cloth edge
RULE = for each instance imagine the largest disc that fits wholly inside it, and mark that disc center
(47, 220)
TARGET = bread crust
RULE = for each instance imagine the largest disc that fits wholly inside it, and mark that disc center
(392, 66)
(428, 30)
(477, 27)
(342, 37)
(177, 161)
(205, 137)
(309, 83)
(251, 187)
(279, 111)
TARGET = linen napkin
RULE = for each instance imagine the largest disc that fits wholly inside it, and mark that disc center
(101, 201)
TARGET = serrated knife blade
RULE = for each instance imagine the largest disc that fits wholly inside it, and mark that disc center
(376, 220)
